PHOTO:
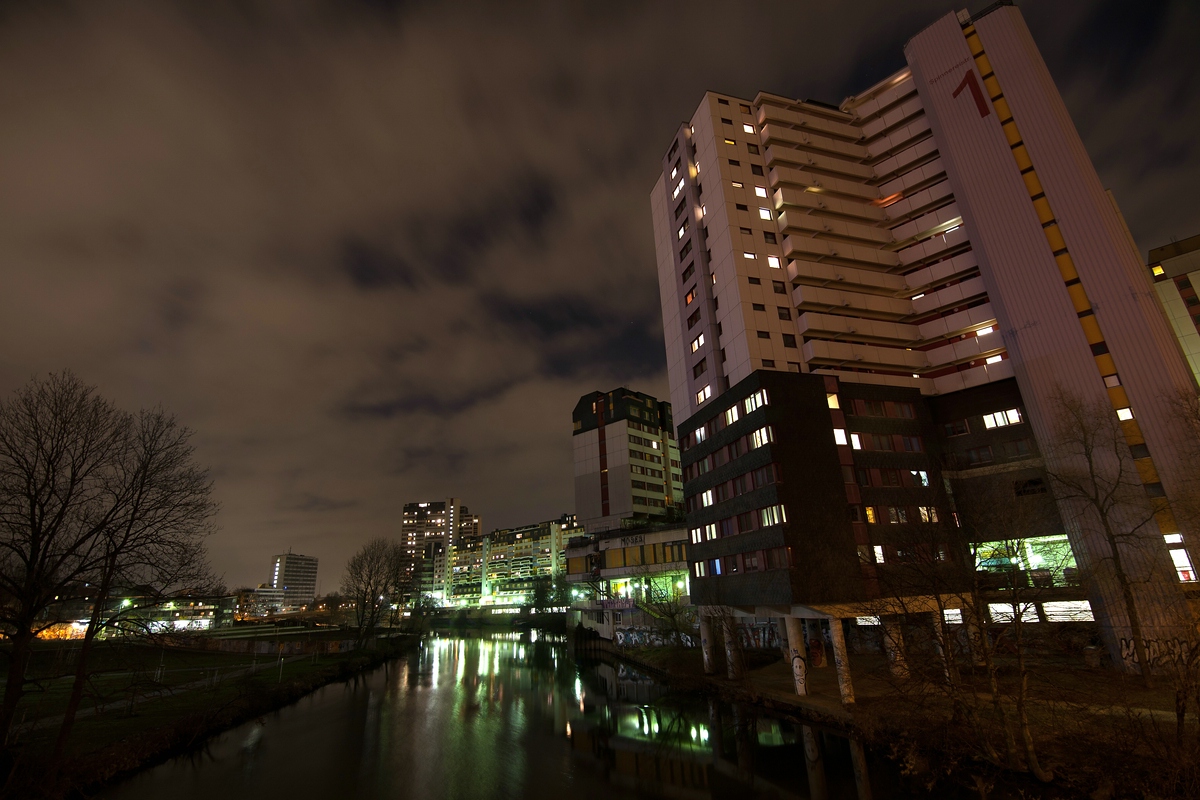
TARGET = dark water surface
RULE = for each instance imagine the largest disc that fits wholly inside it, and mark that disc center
(490, 717)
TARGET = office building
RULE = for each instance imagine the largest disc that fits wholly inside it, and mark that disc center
(627, 470)
(939, 245)
(296, 577)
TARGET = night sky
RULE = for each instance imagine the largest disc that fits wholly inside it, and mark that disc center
(373, 252)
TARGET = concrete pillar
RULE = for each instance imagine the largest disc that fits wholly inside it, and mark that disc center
(735, 666)
(818, 787)
(817, 652)
(797, 654)
(858, 760)
(706, 643)
(841, 660)
(893, 645)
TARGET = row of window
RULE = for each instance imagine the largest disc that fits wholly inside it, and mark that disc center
(911, 478)
(652, 443)
(881, 408)
(978, 456)
(746, 482)
(890, 442)
(638, 500)
(998, 419)
(637, 426)
(721, 421)
(742, 523)
(638, 454)
(735, 449)
(639, 470)
(898, 515)
(754, 561)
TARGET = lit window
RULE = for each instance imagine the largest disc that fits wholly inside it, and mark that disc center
(689, 298)
(678, 189)
(1112, 380)
(773, 262)
(920, 477)
(984, 331)
(736, 184)
(749, 255)
(994, 359)
(755, 401)
(760, 191)
(730, 141)
(704, 211)
(1157, 270)
(731, 415)
(878, 554)
(682, 230)
(701, 433)
(1173, 538)
(704, 394)
(917, 296)
(855, 442)
(772, 515)
(748, 128)
(674, 172)
(928, 514)
(696, 534)
(698, 342)
(832, 401)
(839, 435)
(1183, 566)
(700, 571)
(1124, 414)
(1001, 418)
(764, 213)
(710, 531)
(706, 499)
(760, 437)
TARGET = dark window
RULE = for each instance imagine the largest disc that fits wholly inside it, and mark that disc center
(1099, 349)
(733, 163)
(745, 522)
(722, 355)
(693, 319)
(674, 149)
(723, 103)
(769, 363)
(746, 231)
(979, 455)
(779, 286)
(770, 238)
(871, 408)
(1192, 301)
(913, 444)
(752, 148)
(726, 527)
(1139, 451)
(1183, 283)
(755, 169)
(687, 248)
(699, 369)
(742, 207)
(745, 108)
(1029, 487)
(863, 476)
(789, 340)
(957, 428)
(889, 477)
(1155, 490)
(691, 270)
(758, 306)
(679, 208)
(764, 334)
(1021, 448)
(726, 121)
(754, 281)
(731, 564)
(904, 410)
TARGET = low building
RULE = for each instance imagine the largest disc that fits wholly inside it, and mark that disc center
(630, 579)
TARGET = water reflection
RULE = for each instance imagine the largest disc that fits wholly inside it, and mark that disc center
(506, 716)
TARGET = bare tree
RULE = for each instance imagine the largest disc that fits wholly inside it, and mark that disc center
(58, 444)
(154, 541)
(370, 581)
(1094, 472)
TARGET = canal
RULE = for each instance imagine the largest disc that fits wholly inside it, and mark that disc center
(503, 716)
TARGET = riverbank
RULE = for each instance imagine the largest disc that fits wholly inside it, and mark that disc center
(107, 747)
(1100, 735)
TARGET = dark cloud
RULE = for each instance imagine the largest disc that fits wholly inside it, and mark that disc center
(374, 252)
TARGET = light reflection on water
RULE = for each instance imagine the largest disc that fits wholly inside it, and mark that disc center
(463, 718)
(490, 718)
